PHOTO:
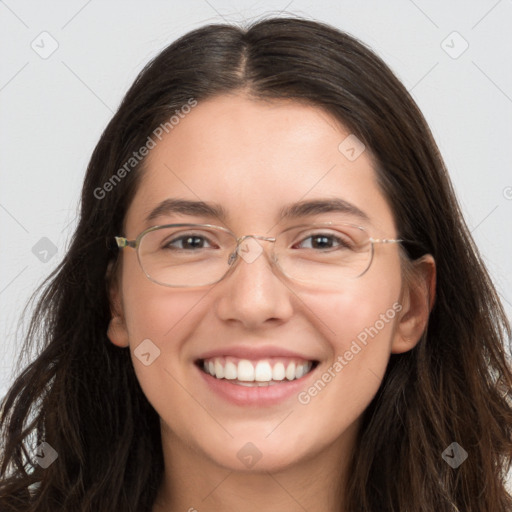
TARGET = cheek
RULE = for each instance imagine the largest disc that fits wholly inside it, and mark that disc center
(160, 322)
(154, 311)
(159, 314)
(364, 304)
(359, 324)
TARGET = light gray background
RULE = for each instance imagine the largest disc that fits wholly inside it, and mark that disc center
(54, 109)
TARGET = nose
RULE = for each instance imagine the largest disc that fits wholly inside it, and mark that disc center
(254, 293)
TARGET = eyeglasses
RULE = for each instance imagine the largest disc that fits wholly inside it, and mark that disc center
(187, 255)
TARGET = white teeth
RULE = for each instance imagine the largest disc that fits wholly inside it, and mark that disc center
(219, 369)
(256, 384)
(278, 372)
(260, 373)
(299, 371)
(263, 372)
(290, 371)
(245, 371)
(230, 371)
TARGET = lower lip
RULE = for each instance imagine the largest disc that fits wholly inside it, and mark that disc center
(259, 396)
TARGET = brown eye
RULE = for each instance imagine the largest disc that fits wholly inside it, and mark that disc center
(324, 241)
(187, 242)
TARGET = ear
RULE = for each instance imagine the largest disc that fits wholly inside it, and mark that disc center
(117, 331)
(417, 302)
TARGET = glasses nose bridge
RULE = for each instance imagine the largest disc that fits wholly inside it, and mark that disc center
(272, 239)
(240, 239)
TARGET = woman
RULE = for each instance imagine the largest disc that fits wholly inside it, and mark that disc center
(271, 301)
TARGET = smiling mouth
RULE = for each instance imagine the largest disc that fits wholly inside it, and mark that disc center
(263, 372)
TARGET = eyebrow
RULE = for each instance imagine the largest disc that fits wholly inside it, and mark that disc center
(292, 211)
(187, 207)
(318, 206)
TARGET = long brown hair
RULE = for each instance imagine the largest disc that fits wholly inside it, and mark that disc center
(81, 394)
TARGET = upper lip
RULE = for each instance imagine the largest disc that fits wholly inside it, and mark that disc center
(251, 352)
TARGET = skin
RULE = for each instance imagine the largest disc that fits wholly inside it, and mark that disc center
(254, 157)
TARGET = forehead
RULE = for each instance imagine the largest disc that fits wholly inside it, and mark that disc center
(254, 158)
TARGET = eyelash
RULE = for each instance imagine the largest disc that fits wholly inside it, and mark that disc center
(340, 242)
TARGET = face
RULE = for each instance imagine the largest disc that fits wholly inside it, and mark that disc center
(255, 158)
